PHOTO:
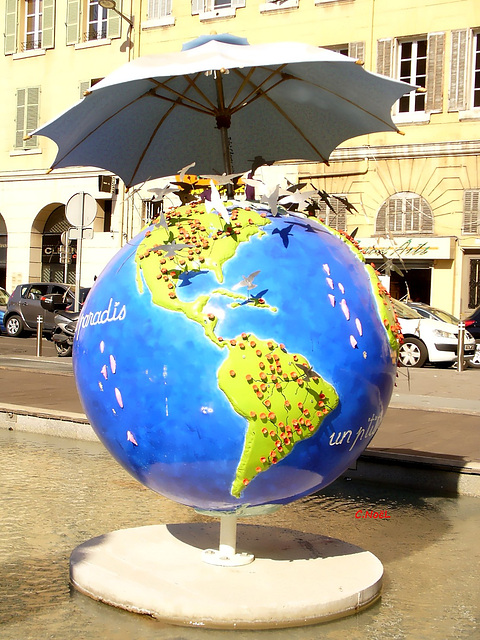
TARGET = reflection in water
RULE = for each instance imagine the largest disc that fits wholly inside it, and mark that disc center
(58, 493)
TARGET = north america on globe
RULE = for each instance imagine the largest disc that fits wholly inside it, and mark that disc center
(247, 358)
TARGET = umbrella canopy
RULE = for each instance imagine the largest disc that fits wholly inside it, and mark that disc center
(220, 103)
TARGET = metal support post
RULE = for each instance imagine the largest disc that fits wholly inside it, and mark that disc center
(39, 335)
(461, 344)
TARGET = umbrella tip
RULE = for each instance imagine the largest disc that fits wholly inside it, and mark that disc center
(360, 62)
(402, 133)
(49, 170)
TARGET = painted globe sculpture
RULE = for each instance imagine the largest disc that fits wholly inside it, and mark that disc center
(237, 359)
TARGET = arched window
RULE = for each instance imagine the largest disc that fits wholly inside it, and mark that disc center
(404, 213)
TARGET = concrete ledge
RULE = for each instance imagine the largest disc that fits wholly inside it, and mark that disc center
(34, 420)
(444, 475)
(296, 578)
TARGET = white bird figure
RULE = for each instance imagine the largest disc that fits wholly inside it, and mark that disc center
(247, 281)
(299, 198)
(272, 200)
(172, 248)
(161, 193)
(216, 204)
(224, 178)
(183, 171)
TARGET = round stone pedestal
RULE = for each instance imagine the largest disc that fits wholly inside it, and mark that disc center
(296, 578)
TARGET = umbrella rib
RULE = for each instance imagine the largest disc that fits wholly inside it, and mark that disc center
(256, 88)
(193, 104)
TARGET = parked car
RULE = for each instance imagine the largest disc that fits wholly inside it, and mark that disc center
(24, 306)
(3, 306)
(427, 311)
(472, 324)
(428, 339)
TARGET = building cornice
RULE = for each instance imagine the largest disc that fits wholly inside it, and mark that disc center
(415, 150)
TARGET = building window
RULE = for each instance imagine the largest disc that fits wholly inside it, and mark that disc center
(33, 25)
(151, 210)
(413, 69)
(208, 9)
(352, 49)
(404, 214)
(332, 210)
(97, 21)
(27, 117)
(159, 9)
(88, 21)
(471, 216)
(476, 71)
(474, 284)
(29, 25)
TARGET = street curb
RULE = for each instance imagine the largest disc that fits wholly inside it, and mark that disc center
(435, 403)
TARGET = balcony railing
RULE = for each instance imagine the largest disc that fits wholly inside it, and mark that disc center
(31, 43)
(95, 34)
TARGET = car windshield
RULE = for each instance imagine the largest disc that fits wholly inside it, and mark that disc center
(403, 311)
(3, 297)
(445, 316)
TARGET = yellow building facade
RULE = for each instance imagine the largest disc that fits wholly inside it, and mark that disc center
(413, 200)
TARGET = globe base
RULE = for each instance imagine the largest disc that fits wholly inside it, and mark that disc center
(295, 579)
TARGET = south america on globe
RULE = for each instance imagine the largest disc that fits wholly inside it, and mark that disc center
(238, 359)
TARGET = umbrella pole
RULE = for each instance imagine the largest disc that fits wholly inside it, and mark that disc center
(223, 124)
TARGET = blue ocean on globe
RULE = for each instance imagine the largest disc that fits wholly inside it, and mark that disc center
(242, 381)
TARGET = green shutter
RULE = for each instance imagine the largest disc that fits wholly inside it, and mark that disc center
(114, 23)
(27, 117)
(48, 24)
(435, 56)
(73, 21)
(11, 14)
(31, 115)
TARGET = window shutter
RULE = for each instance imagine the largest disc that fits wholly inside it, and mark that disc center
(31, 119)
(456, 96)
(73, 21)
(197, 7)
(11, 9)
(19, 133)
(48, 24)
(159, 8)
(238, 3)
(357, 50)
(84, 86)
(384, 57)
(114, 23)
(381, 220)
(470, 211)
(27, 117)
(435, 58)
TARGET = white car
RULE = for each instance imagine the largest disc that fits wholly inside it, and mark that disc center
(426, 339)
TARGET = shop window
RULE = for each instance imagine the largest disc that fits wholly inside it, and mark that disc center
(464, 90)
(471, 217)
(418, 61)
(404, 214)
(87, 21)
(27, 117)
(333, 211)
(29, 25)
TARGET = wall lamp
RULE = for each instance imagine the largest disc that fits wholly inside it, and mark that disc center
(111, 4)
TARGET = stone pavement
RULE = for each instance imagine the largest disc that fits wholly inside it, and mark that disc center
(433, 419)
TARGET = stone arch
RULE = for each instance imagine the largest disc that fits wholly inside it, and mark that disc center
(47, 228)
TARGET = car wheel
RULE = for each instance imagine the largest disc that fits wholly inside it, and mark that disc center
(413, 353)
(63, 349)
(14, 326)
(475, 361)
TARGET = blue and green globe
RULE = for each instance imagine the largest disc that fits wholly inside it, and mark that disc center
(236, 361)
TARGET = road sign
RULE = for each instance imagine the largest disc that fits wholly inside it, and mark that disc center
(81, 210)
(87, 233)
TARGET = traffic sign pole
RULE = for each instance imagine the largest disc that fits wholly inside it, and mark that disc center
(81, 211)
